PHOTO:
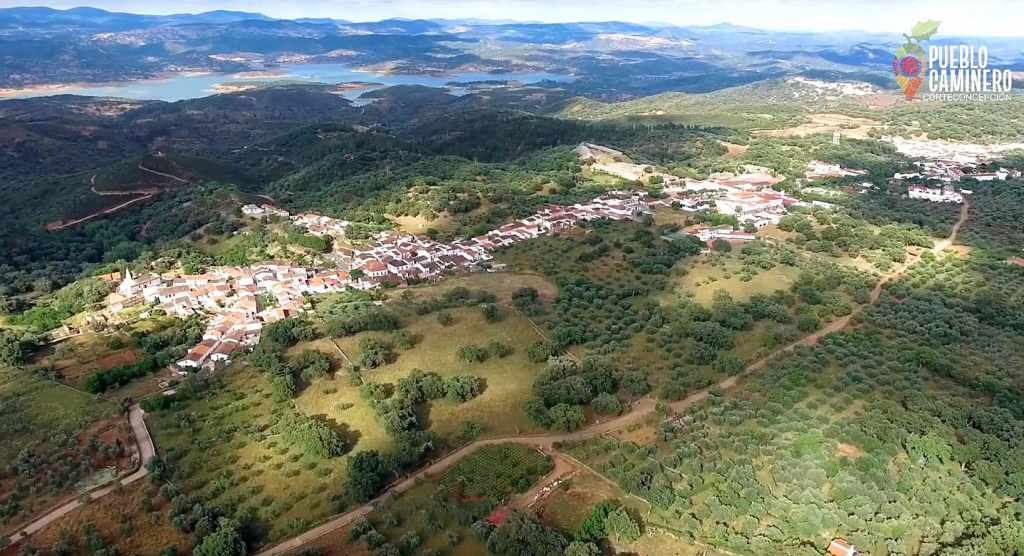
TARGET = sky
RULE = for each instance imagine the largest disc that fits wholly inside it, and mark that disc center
(958, 17)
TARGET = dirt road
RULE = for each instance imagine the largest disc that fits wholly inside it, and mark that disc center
(565, 467)
(146, 452)
(60, 224)
(637, 413)
(163, 174)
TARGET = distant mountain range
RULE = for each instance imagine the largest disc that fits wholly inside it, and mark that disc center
(609, 59)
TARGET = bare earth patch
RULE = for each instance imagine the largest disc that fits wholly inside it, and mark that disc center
(848, 450)
(857, 128)
(734, 149)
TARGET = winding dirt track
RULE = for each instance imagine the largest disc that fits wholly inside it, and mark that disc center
(145, 194)
(638, 413)
(146, 452)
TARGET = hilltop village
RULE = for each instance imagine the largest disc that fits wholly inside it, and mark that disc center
(239, 301)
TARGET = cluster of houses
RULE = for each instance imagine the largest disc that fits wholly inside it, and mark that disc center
(940, 164)
(316, 224)
(945, 194)
(748, 197)
(708, 234)
(962, 154)
(947, 164)
(241, 300)
(817, 170)
(400, 258)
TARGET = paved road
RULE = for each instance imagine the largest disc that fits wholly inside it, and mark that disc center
(146, 452)
(637, 414)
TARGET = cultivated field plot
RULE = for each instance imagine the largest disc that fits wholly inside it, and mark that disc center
(131, 521)
(221, 449)
(841, 439)
(36, 410)
(438, 513)
(78, 357)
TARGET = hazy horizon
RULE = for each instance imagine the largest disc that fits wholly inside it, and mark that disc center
(984, 18)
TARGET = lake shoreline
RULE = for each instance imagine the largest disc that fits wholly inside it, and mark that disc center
(183, 85)
(51, 89)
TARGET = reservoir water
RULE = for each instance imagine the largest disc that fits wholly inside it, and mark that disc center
(185, 86)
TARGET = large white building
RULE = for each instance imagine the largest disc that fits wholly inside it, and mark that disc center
(946, 194)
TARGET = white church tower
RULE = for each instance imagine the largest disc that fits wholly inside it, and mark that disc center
(127, 286)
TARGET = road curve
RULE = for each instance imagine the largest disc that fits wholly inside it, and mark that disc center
(638, 412)
(136, 417)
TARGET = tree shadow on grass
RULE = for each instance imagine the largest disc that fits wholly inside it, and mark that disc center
(348, 435)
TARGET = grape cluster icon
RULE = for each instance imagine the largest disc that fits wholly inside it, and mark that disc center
(909, 65)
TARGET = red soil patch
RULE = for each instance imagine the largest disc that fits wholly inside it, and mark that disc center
(499, 515)
(77, 371)
(1016, 261)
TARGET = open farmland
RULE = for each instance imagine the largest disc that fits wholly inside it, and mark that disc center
(498, 409)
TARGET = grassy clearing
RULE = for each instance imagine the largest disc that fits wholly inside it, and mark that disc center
(419, 224)
(773, 232)
(567, 507)
(667, 215)
(338, 401)
(499, 409)
(655, 542)
(704, 278)
(602, 179)
(228, 461)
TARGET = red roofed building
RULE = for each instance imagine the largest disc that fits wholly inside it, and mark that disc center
(840, 547)
(499, 515)
(375, 268)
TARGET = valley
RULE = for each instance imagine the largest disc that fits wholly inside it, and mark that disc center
(453, 287)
